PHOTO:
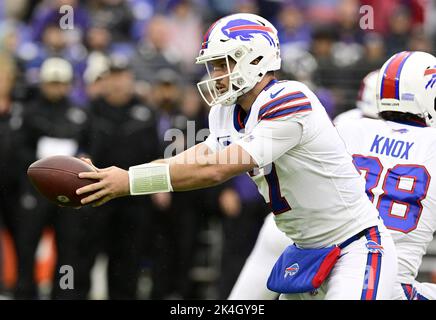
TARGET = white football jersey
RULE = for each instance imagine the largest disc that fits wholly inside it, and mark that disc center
(399, 162)
(352, 114)
(305, 173)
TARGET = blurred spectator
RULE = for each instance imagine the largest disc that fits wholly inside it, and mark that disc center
(52, 125)
(419, 41)
(292, 26)
(400, 24)
(298, 64)
(153, 53)
(120, 130)
(348, 21)
(383, 10)
(184, 36)
(220, 8)
(372, 59)
(54, 44)
(242, 209)
(375, 52)
(97, 68)
(246, 6)
(98, 39)
(327, 76)
(48, 13)
(12, 168)
(430, 20)
(178, 216)
(13, 9)
(269, 9)
(321, 12)
(115, 15)
(348, 47)
(143, 11)
(322, 49)
(11, 34)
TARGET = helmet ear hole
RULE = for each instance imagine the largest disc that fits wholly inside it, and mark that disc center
(257, 60)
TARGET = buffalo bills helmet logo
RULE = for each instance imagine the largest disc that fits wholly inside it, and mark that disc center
(374, 247)
(432, 81)
(292, 270)
(244, 30)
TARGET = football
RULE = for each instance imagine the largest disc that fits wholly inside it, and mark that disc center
(57, 178)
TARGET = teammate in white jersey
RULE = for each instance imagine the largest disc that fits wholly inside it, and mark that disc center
(280, 133)
(398, 158)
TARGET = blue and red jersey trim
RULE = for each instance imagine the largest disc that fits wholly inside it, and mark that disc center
(282, 107)
(411, 293)
(240, 117)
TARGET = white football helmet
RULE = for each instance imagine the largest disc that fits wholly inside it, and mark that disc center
(407, 83)
(366, 101)
(244, 38)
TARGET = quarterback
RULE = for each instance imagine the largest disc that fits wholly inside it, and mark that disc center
(279, 133)
(397, 157)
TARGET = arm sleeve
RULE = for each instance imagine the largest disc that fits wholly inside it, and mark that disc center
(269, 140)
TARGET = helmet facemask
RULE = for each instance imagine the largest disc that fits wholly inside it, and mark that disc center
(238, 82)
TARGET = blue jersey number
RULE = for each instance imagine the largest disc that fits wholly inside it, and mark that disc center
(277, 203)
(409, 196)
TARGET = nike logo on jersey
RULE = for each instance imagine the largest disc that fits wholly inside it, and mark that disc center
(273, 95)
(391, 147)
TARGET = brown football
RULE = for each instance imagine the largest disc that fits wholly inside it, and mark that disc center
(57, 179)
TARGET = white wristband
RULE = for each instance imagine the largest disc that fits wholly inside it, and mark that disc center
(150, 178)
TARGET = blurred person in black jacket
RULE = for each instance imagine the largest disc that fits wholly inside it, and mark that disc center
(51, 126)
(179, 217)
(243, 213)
(11, 166)
(122, 130)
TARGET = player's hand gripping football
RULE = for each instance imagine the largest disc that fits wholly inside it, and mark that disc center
(113, 182)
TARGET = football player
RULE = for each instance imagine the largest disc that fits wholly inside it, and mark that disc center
(251, 282)
(397, 157)
(280, 134)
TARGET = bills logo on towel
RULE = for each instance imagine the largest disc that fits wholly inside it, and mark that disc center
(292, 270)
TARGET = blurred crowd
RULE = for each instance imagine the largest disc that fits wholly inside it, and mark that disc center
(111, 82)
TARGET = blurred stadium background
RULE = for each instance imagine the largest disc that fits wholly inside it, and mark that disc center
(127, 75)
